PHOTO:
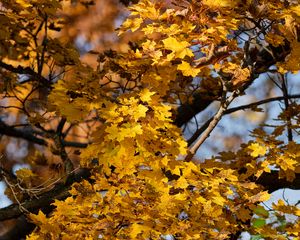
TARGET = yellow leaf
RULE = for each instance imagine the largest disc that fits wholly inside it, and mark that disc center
(220, 3)
(274, 39)
(218, 200)
(201, 200)
(240, 76)
(179, 49)
(24, 3)
(145, 95)
(138, 54)
(187, 69)
(132, 24)
(182, 183)
(39, 218)
(296, 9)
(113, 132)
(180, 196)
(260, 197)
(136, 229)
(127, 130)
(292, 62)
(139, 112)
(25, 173)
(285, 163)
(257, 150)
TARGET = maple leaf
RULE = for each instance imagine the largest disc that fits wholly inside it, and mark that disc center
(39, 218)
(188, 70)
(285, 163)
(25, 173)
(258, 222)
(24, 3)
(257, 149)
(136, 229)
(291, 63)
(139, 112)
(146, 94)
(240, 76)
(260, 197)
(132, 24)
(221, 3)
(179, 48)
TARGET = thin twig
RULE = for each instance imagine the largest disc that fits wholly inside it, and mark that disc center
(60, 191)
(26, 70)
(44, 44)
(224, 105)
(235, 109)
(286, 105)
(10, 131)
(61, 125)
(213, 54)
(11, 186)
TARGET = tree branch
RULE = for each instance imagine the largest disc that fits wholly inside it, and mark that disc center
(43, 202)
(235, 109)
(186, 111)
(12, 132)
(27, 135)
(286, 105)
(21, 227)
(61, 125)
(74, 144)
(25, 70)
(272, 182)
(211, 125)
(212, 56)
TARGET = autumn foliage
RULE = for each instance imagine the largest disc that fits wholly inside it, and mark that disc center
(102, 112)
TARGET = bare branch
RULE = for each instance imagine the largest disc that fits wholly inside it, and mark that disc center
(25, 70)
(213, 55)
(11, 131)
(224, 105)
(235, 109)
(74, 144)
(60, 192)
(61, 125)
(286, 105)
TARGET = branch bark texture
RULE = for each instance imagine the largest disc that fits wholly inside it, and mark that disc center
(43, 202)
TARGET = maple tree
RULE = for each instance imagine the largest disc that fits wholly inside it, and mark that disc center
(101, 116)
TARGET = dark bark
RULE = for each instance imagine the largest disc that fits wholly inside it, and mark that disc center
(43, 202)
(19, 230)
(27, 135)
(188, 110)
(272, 182)
(27, 71)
